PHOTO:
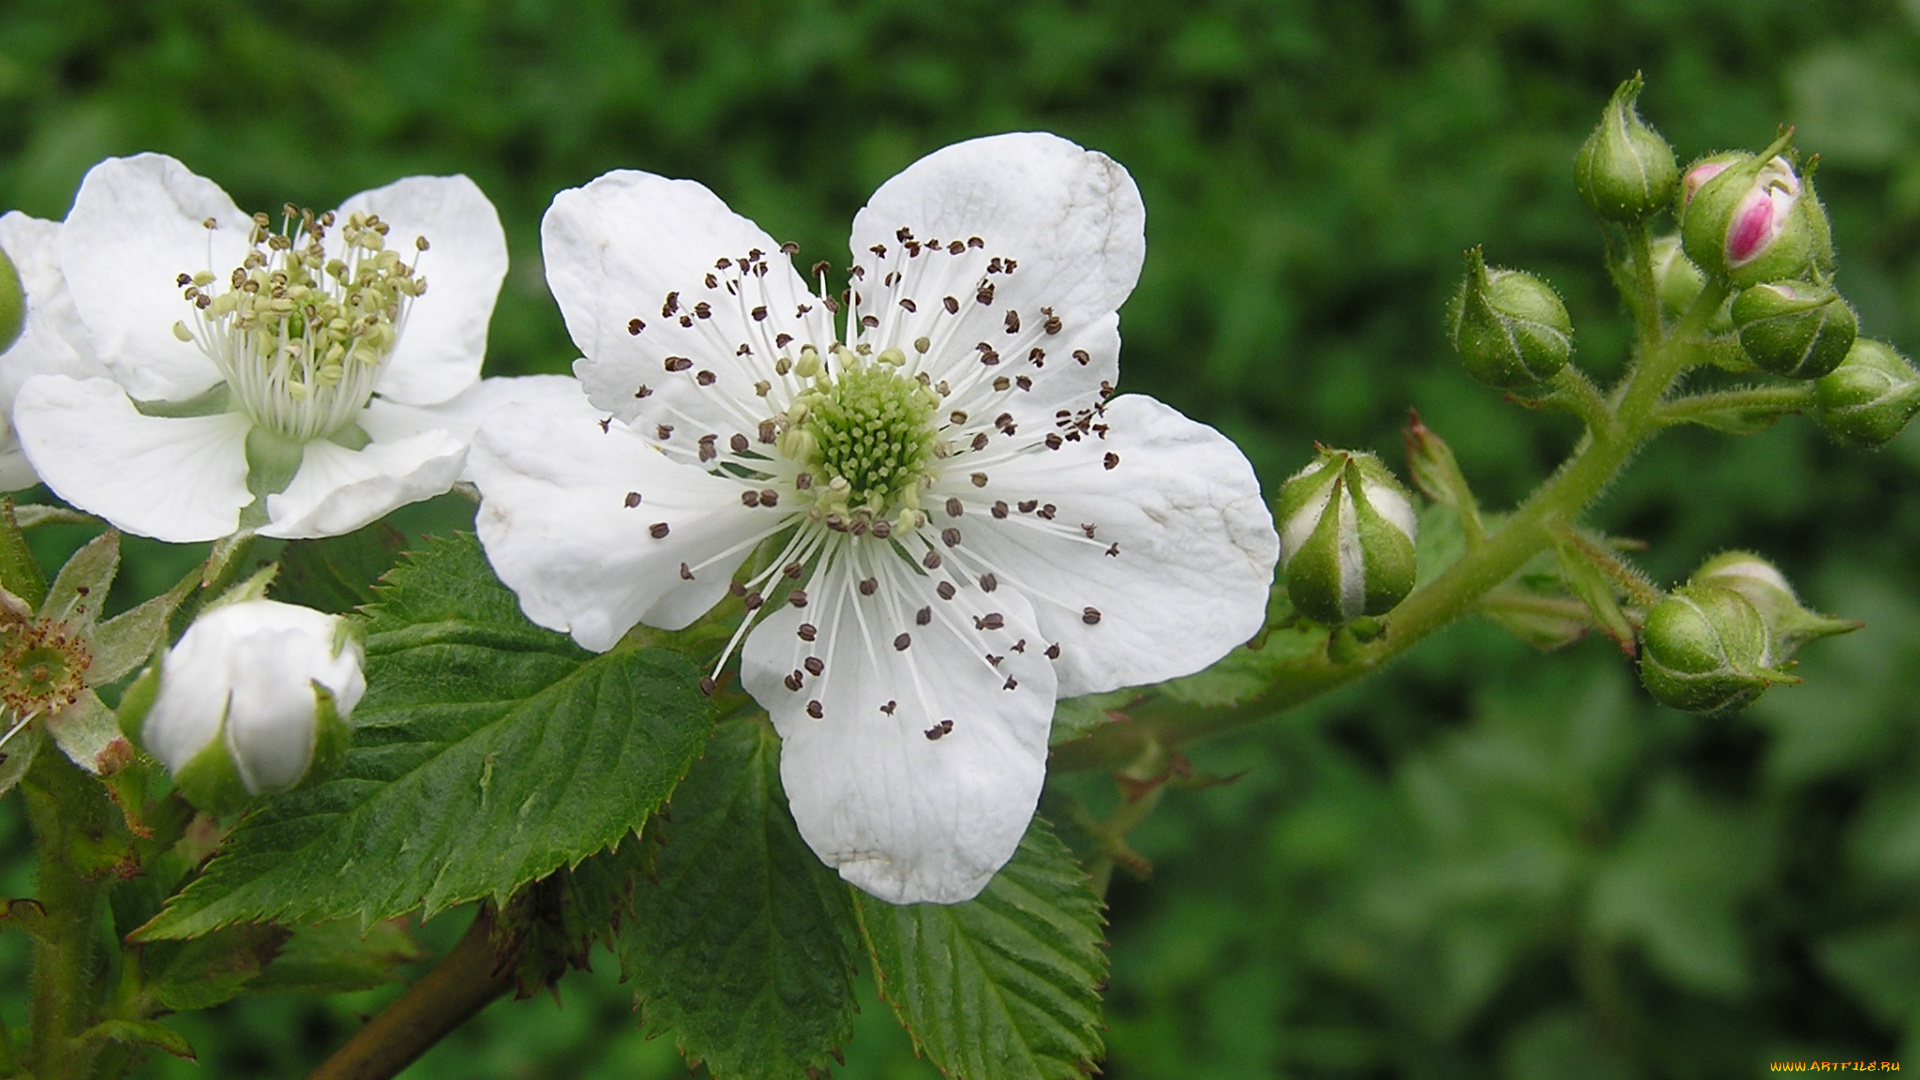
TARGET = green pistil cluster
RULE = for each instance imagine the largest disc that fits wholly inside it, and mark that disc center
(865, 435)
(43, 667)
(300, 336)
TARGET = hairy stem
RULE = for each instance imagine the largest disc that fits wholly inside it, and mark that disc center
(1159, 725)
(71, 819)
(465, 981)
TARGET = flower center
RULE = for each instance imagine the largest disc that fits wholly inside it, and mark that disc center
(301, 335)
(864, 435)
(42, 668)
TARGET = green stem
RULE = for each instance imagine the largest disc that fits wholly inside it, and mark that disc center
(70, 817)
(1769, 399)
(1645, 298)
(1159, 725)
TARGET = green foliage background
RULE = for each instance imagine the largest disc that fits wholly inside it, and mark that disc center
(1486, 863)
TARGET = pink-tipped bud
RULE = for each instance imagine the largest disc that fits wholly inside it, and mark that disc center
(1753, 218)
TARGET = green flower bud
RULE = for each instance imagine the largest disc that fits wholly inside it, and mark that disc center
(1753, 219)
(1675, 278)
(1625, 170)
(13, 304)
(1509, 327)
(1706, 649)
(1789, 624)
(1870, 396)
(1346, 537)
(1794, 328)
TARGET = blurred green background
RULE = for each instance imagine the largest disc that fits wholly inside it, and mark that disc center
(1485, 863)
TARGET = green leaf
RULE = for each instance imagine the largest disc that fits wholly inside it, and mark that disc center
(744, 946)
(202, 973)
(1074, 717)
(142, 1033)
(1007, 985)
(336, 574)
(487, 753)
(336, 957)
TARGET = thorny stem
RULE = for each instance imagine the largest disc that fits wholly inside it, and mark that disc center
(1159, 725)
(465, 981)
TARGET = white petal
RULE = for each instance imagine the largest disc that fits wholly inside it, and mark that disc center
(178, 480)
(616, 248)
(137, 224)
(440, 348)
(271, 716)
(460, 417)
(1072, 221)
(338, 490)
(52, 342)
(557, 528)
(904, 816)
(1196, 546)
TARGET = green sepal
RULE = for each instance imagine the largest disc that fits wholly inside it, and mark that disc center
(331, 734)
(16, 757)
(130, 638)
(1804, 246)
(1790, 623)
(211, 779)
(79, 591)
(1436, 472)
(1796, 329)
(19, 570)
(1313, 572)
(211, 402)
(136, 701)
(13, 303)
(1625, 170)
(253, 588)
(272, 462)
(89, 734)
(1387, 559)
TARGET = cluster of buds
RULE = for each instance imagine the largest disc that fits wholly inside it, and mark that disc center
(1716, 643)
(1346, 537)
(253, 699)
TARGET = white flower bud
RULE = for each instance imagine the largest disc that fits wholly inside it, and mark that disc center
(1346, 537)
(253, 696)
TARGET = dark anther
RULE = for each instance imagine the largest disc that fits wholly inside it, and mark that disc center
(634, 326)
(797, 598)
(814, 710)
(664, 431)
(1082, 356)
(633, 499)
(793, 680)
(979, 479)
(792, 569)
(658, 530)
(1090, 616)
(704, 377)
(945, 589)
(923, 616)
(803, 481)
(988, 582)
(980, 441)
(908, 304)
(672, 305)
(814, 665)
(889, 707)
(882, 528)
(1027, 505)
(1013, 321)
(950, 537)
(952, 305)
(1011, 683)
(807, 631)
(992, 620)
(1053, 651)
(769, 497)
(706, 685)
(678, 363)
(755, 601)
(1047, 511)
(1110, 460)
(766, 433)
(759, 313)
(750, 498)
(644, 391)
(985, 295)
(868, 586)
(931, 560)
(954, 507)
(1000, 510)
(901, 642)
(1052, 325)
(686, 572)
(738, 442)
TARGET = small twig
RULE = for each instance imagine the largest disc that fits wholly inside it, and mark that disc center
(465, 981)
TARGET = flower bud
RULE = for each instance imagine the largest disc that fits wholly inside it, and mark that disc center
(253, 699)
(1705, 649)
(13, 303)
(1794, 328)
(1753, 219)
(1872, 394)
(1625, 170)
(1509, 327)
(1789, 624)
(1346, 537)
(1675, 278)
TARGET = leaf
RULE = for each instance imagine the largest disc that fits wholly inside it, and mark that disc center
(487, 753)
(1007, 985)
(336, 957)
(142, 1033)
(1074, 717)
(744, 945)
(336, 574)
(204, 972)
